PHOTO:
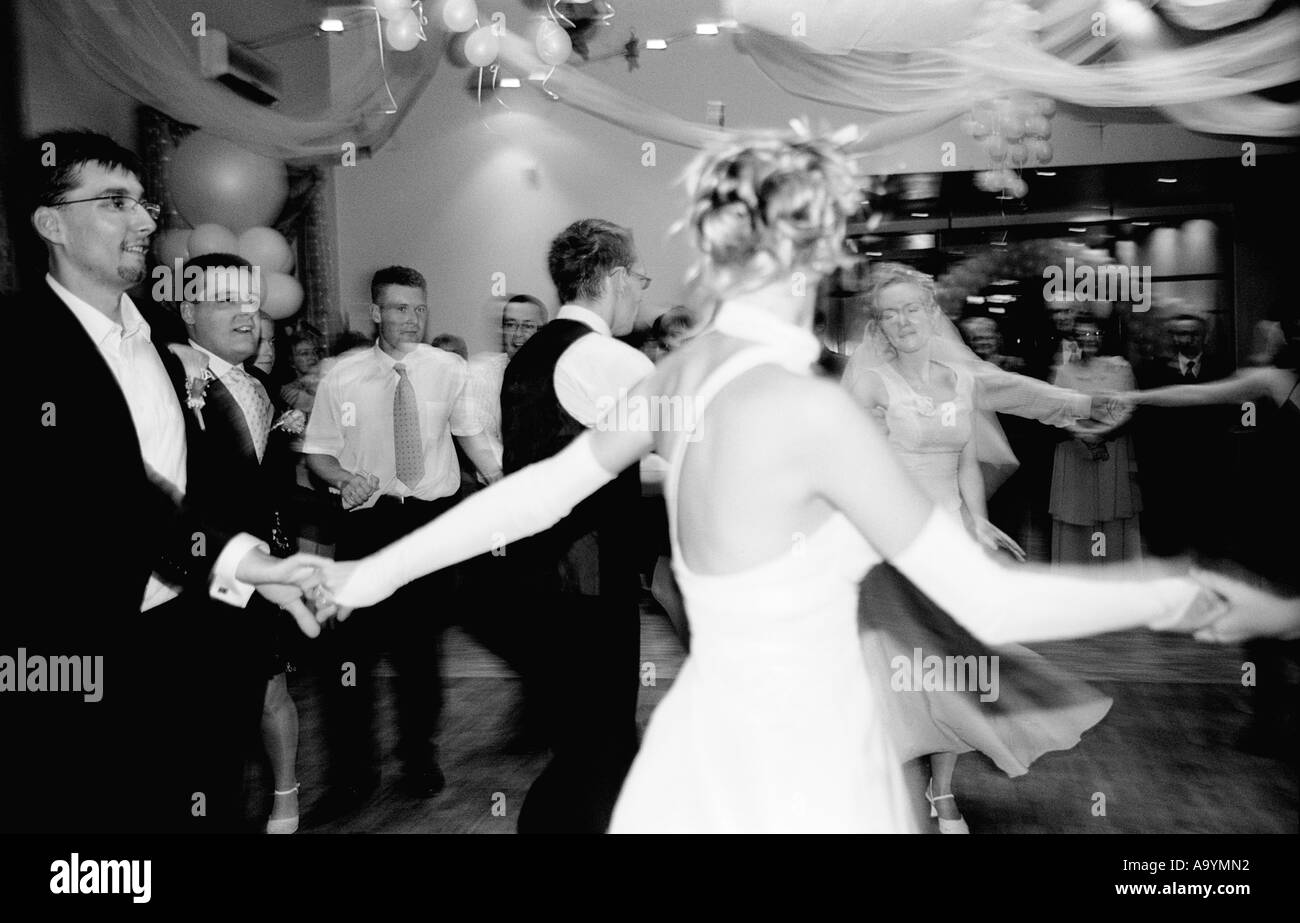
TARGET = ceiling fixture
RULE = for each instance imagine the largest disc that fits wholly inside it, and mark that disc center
(920, 214)
(1141, 224)
(508, 82)
(706, 28)
(331, 25)
(873, 253)
(1078, 230)
(1045, 172)
(1166, 179)
(655, 44)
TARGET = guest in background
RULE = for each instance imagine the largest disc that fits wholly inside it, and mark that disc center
(313, 513)
(1184, 450)
(452, 344)
(265, 358)
(1095, 499)
(381, 433)
(521, 316)
(984, 339)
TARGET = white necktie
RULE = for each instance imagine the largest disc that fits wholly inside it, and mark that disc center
(252, 399)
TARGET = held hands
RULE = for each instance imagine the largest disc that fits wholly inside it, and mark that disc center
(357, 489)
(993, 538)
(1110, 410)
(285, 581)
(289, 598)
(1254, 613)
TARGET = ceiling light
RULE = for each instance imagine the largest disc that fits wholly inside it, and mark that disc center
(997, 310)
(655, 44)
(331, 25)
(873, 253)
(1141, 224)
(974, 299)
(920, 214)
(1078, 230)
(706, 28)
(1166, 179)
(1001, 299)
(508, 82)
(1045, 172)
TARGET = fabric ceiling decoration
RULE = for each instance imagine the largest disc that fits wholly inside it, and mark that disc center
(1213, 14)
(132, 46)
(1009, 45)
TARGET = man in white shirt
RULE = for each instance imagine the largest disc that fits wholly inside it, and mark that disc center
(380, 433)
(110, 537)
(521, 317)
(582, 624)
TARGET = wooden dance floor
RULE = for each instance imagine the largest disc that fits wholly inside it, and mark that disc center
(1165, 758)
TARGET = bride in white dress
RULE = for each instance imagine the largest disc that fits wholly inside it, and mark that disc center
(772, 725)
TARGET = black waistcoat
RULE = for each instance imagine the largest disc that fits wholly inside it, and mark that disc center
(591, 551)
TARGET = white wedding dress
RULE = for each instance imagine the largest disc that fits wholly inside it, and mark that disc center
(771, 726)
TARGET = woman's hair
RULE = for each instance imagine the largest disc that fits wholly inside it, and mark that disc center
(767, 207)
(883, 275)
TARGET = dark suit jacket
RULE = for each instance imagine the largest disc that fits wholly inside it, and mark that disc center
(92, 523)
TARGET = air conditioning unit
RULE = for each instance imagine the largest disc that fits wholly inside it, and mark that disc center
(239, 68)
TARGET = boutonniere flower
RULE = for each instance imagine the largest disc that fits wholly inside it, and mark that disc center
(291, 421)
(197, 377)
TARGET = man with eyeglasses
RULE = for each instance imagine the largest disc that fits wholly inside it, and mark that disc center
(380, 433)
(117, 558)
(581, 574)
(521, 317)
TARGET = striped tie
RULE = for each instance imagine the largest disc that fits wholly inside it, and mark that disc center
(408, 447)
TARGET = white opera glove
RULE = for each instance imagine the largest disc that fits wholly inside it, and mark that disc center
(527, 502)
(999, 604)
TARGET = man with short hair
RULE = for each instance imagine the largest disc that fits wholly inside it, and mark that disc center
(584, 570)
(109, 538)
(521, 317)
(380, 433)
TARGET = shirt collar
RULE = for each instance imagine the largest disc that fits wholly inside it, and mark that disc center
(1184, 362)
(585, 316)
(218, 365)
(100, 328)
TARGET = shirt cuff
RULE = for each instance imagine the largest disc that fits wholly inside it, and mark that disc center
(225, 586)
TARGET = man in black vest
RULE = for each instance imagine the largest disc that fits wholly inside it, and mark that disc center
(582, 573)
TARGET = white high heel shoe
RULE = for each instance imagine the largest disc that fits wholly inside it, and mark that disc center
(945, 826)
(284, 824)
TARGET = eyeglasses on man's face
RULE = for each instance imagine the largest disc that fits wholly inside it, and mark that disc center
(512, 327)
(643, 279)
(119, 203)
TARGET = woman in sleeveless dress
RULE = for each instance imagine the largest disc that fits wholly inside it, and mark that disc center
(926, 406)
(772, 724)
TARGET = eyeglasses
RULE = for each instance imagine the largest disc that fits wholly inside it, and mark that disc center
(121, 203)
(513, 326)
(645, 280)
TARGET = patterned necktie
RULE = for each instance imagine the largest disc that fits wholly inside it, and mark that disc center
(408, 447)
(252, 399)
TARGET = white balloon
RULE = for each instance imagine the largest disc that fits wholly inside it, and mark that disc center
(392, 9)
(403, 34)
(482, 47)
(460, 15)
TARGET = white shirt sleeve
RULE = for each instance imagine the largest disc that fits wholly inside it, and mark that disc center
(324, 433)
(595, 374)
(225, 586)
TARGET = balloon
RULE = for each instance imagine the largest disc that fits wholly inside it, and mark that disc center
(213, 181)
(281, 295)
(1046, 107)
(1039, 126)
(1019, 188)
(1018, 154)
(1043, 151)
(1013, 129)
(460, 15)
(481, 47)
(553, 45)
(393, 9)
(267, 248)
(172, 245)
(996, 146)
(212, 238)
(403, 34)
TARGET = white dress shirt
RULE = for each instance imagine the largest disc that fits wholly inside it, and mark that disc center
(1184, 363)
(487, 372)
(596, 371)
(159, 425)
(352, 418)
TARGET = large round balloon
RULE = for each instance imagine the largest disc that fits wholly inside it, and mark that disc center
(393, 9)
(172, 245)
(553, 45)
(281, 295)
(460, 15)
(482, 47)
(213, 181)
(404, 33)
(212, 238)
(267, 248)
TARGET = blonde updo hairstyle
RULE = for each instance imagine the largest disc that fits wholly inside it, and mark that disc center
(769, 207)
(883, 275)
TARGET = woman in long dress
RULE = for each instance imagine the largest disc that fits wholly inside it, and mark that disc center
(916, 384)
(780, 497)
(1095, 499)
